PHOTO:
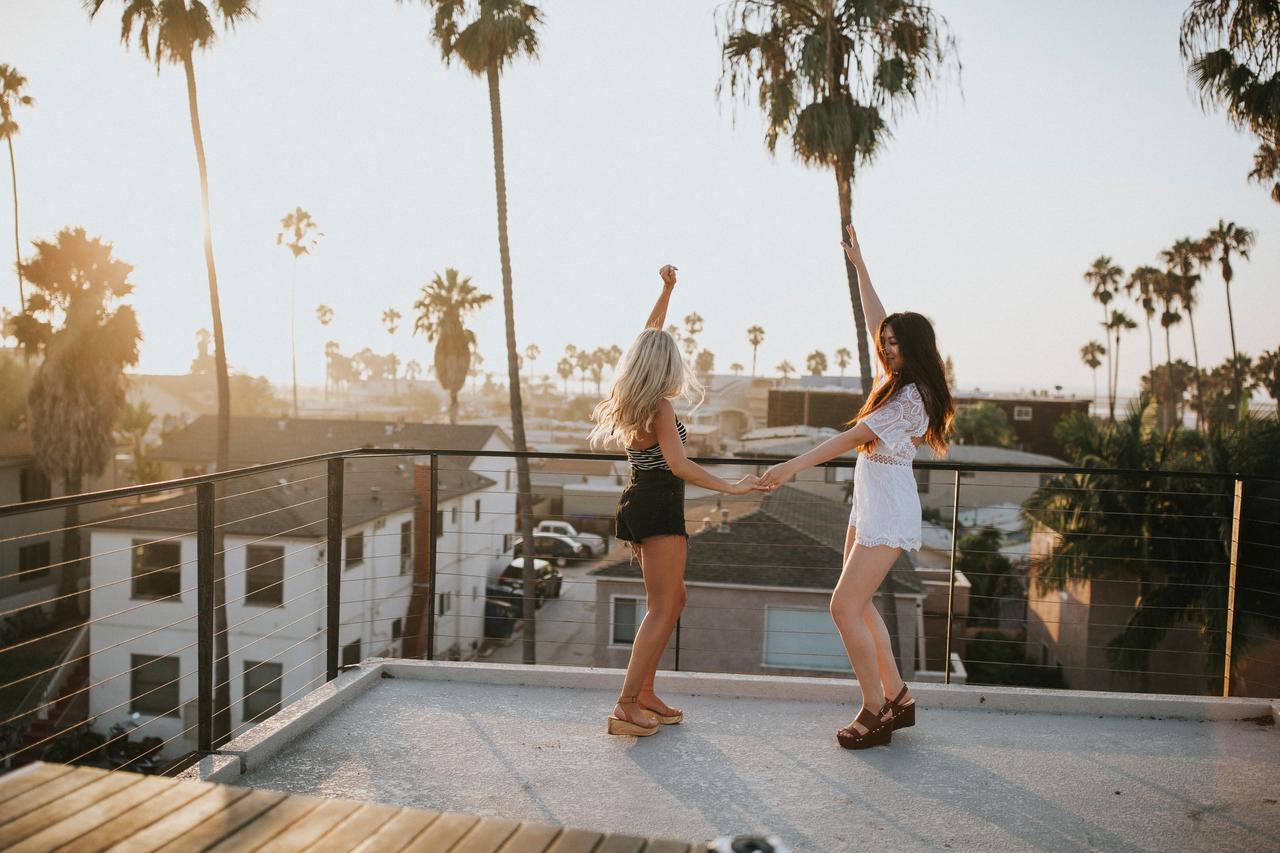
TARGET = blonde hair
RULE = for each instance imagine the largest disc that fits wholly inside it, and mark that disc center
(652, 370)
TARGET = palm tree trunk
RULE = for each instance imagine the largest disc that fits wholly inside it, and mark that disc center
(1151, 353)
(1116, 381)
(17, 243)
(1111, 392)
(1095, 383)
(453, 406)
(1195, 354)
(293, 338)
(754, 347)
(1235, 365)
(1170, 402)
(222, 663)
(844, 189)
(525, 507)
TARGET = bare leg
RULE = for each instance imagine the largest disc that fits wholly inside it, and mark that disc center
(662, 560)
(891, 679)
(863, 572)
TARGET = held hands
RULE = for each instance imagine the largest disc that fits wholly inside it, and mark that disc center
(746, 486)
(668, 275)
(776, 476)
(852, 250)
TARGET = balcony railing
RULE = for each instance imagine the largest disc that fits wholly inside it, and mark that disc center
(1141, 580)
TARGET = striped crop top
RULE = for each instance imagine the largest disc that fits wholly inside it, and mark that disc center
(651, 458)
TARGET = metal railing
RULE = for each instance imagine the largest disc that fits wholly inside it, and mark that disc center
(1205, 544)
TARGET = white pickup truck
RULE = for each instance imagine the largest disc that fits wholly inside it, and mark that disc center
(595, 543)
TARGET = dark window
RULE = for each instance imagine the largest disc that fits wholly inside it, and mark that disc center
(627, 613)
(354, 550)
(453, 516)
(157, 569)
(397, 629)
(439, 523)
(33, 485)
(506, 542)
(31, 560)
(508, 485)
(446, 601)
(406, 546)
(264, 576)
(351, 653)
(477, 510)
(922, 481)
(153, 686)
(261, 689)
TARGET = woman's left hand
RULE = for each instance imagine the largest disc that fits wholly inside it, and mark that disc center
(668, 275)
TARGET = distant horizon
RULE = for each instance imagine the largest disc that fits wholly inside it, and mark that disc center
(983, 212)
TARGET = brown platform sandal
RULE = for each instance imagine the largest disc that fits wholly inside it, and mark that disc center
(904, 716)
(619, 726)
(879, 730)
(674, 718)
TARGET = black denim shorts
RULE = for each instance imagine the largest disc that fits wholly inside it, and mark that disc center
(652, 504)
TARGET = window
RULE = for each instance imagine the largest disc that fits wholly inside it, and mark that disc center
(802, 638)
(261, 689)
(922, 481)
(508, 485)
(351, 653)
(31, 559)
(153, 685)
(627, 613)
(33, 485)
(397, 630)
(157, 570)
(439, 523)
(406, 547)
(507, 539)
(446, 601)
(354, 550)
(477, 510)
(1022, 413)
(264, 576)
(453, 515)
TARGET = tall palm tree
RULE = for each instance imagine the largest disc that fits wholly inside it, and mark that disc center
(299, 233)
(755, 337)
(134, 423)
(1266, 372)
(816, 361)
(612, 355)
(1165, 289)
(786, 369)
(1223, 241)
(324, 314)
(1118, 322)
(1089, 355)
(1141, 287)
(412, 370)
(332, 352)
(531, 352)
(1104, 277)
(843, 359)
(391, 322)
(11, 95)
(693, 327)
(444, 304)
(1182, 259)
(831, 75)
(564, 369)
(582, 360)
(79, 389)
(486, 36)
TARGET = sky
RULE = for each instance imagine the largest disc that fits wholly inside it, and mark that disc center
(1069, 132)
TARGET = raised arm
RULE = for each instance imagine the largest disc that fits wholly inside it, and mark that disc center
(658, 316)
(679, 463)
(871, 306)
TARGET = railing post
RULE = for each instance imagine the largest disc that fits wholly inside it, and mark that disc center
(677, 644)
(204, 617)
(1237, 511)
(433, 506)
(951, 579)
(333, 569)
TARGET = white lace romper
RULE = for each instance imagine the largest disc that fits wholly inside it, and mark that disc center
(886, 503)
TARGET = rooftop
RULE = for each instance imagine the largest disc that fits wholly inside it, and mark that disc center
(758, 754)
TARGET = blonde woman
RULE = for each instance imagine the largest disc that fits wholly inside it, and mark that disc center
(638, 415)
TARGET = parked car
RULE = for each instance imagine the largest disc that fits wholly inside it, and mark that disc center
(594, 543)
(554, 547)
(548, 579)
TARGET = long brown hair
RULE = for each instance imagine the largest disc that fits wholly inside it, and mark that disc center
(922, 365)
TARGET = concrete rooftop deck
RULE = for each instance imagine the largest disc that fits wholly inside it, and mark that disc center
(985, 768)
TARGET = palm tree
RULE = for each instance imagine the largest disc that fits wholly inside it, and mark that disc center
(705, 363)
(1119, 322)
(531, 352)
(1165, 289)
(444, 304)
(412, 370)
(391, 322)
(582, 360)
(134, 423)
(298, 232)
(1141, 286)
(843, 359)
(599, 358)
(832, 74)
(786, 369)
(1266, 372)
(816, 361)
(11, 85)
(473, 368)
(755, 337)
(325, 315)
(736, 369)
(332, 352)
(79, 389)
(1089, 355)
(1104, 277)
(1182, 259)
(612, 355)
(1224, 240)
(693, 328)
(564, 369)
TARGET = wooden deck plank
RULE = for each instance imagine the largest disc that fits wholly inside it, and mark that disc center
(531, 838)
(575, 841)
(396, 833)
(443, 833)
(51, 790)
(137, 819)
(77, 823)
(268, 825)
(304, 832)
(81, 798)
(487, 835)
(25, 778)
(217, 826)
(621, 844)
(359, 825)
(662, 845)
(182, 819)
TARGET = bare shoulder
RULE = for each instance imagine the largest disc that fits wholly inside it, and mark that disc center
(666, 411)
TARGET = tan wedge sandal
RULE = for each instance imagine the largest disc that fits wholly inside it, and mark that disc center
(620, 726)
(674, 718)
